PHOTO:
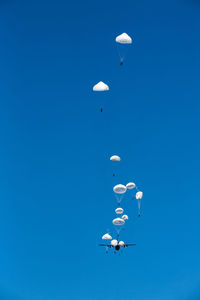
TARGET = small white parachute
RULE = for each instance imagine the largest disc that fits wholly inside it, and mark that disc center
(119, 211)
(131, 185)
(114, 243)
(115, 158)
(118, 222)
(121, 244)
(100, 87)
(123, 38)
(139, 195)
(106, 237)
(125, 217)
(119, 189)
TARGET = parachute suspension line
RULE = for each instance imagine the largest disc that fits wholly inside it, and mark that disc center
(137, 188)
(122, 49)
(118, 236)
(139, 205)
(119, 199)
(120, 56)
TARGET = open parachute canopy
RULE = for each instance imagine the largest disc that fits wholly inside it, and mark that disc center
(130, 185)
(115, 158)
(123, 38)
(114, 243)
(122, 244)
(139, 195)
(125, 217)
(100, 87)
(118, 222)
(119, 189)
(106, 237)
(119, 211)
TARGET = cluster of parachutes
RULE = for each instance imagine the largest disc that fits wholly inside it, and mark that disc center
(119, 191)
(122, 40)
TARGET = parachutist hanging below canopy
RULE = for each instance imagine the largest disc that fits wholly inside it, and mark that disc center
(123, 40)
(100, 87)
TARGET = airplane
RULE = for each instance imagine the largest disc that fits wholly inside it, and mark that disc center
(116, 245)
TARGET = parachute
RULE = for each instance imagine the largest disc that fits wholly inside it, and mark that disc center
(121, 244)
(100, 87)
(118, 222)
(123, 40)
(106, 237)
(115, 158)
(114, 243)
(119, 211)
(125, 217)
(119, 191)
(130, 185)
(139, 196)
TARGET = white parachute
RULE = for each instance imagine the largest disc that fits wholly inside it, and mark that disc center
(114, 243)
(125, 217)
(139, 196)
(119, 211)
(100, 87)
(130, 185)
(123, 41)
(115, 166)
(106, 237)
(123, 38)
(120, 189)
(118, 222)
(121, 244)
(115, 158)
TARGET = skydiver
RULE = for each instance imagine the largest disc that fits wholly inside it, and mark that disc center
(101, 109)
(121, 62)
(113, 174)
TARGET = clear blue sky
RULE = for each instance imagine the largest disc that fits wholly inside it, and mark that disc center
(56, 184)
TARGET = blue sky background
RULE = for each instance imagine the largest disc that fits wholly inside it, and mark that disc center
(56, 177)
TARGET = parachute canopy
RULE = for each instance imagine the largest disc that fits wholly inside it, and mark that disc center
(123, 38)
(100, 87)
(119, 210)
(106, 237)
(115, 158)
(139, 195)
(118, 221)
(121, 244)
(131, 185)
(114, 243)
(119, 189)
(124, 217)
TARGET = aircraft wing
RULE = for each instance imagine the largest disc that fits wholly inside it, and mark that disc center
(127, 245)
(109, 246)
